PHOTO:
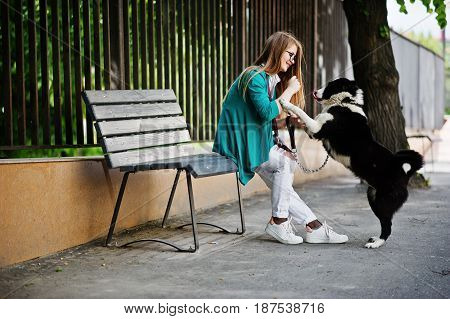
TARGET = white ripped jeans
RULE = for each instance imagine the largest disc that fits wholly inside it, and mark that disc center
(278, 174)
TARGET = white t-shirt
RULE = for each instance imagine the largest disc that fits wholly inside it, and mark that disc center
(273, 81)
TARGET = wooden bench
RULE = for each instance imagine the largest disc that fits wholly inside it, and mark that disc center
(141, 130)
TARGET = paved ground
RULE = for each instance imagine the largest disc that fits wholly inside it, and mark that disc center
(415, 262)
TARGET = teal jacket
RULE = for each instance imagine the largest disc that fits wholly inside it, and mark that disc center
(244, 133)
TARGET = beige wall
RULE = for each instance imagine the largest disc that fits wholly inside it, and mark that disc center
(50, 205)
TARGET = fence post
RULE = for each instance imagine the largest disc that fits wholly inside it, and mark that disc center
(315, 35)
(7, 81)
(117, 45)
(240, 23)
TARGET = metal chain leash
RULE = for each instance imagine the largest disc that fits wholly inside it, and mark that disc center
(310, 171)
(293, 150)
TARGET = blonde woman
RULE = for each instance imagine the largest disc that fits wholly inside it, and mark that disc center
(244, 134)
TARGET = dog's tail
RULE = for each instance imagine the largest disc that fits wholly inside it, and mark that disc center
(410, 160)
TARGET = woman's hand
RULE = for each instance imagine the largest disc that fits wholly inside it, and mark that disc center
(293, 85)
(289, 155)
(281, 122)
(297, 122)
(292, 88)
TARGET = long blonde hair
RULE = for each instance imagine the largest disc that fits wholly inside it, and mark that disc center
(269, 61)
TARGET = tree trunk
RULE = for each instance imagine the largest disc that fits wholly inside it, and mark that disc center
(375, 72)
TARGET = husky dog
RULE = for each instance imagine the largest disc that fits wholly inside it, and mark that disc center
(342, 127)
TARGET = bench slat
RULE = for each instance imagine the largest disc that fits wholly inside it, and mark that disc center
(141, 156)
(122, 127)
(202, 165)
(211, 166)
(171, 163)
(123, 111)
(127, 96)
(128, 142)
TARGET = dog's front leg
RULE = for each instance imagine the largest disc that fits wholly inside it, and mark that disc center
(312, 125)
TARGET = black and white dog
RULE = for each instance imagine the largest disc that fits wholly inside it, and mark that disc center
(342, 127)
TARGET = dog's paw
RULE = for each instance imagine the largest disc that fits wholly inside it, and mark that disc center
(374, 242)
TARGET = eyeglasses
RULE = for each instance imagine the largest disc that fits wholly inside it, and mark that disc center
(291, 56)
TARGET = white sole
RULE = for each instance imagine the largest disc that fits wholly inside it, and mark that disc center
(324, 242)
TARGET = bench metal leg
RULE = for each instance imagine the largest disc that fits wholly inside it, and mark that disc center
(117, 208)
(192, 208)
(240, 207)
(169, 204)
(237, 232)
(193, 219)
(172, 193)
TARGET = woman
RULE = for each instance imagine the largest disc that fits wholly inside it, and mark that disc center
(244, 134)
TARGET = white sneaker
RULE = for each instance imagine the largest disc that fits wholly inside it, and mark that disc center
(325, 235)
(284, 233)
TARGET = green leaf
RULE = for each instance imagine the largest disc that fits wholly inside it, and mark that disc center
(384, 31)
(426, 3)
(439, 8)
(401, 3)
(402, 6)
